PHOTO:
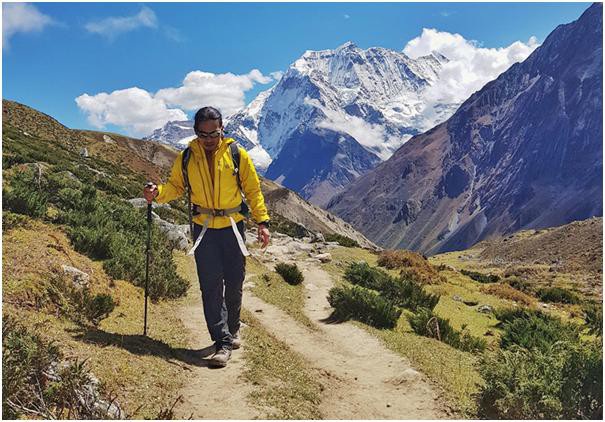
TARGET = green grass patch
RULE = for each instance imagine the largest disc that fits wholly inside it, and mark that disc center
(285, 385)
(272, 288)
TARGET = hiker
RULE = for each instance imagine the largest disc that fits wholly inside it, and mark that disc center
(216, 181)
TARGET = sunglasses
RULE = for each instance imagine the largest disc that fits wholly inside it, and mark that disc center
(214, 134)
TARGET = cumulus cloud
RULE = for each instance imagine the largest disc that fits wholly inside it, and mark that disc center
(139, 112)
(133, 109)
(224, 91)
(471, 66)
(114, 26)
(22, 17)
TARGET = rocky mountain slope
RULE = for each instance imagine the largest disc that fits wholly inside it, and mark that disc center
(523, 152)
(153, 161)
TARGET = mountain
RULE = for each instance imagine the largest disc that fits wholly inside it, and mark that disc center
(176, 133)
(349, 107)
(523, 152)
(153, 161)
(326, 102)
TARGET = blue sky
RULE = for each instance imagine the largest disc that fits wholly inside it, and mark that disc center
(67, 50)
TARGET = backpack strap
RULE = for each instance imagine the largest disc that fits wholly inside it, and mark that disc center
(184, 164)
(236, 156)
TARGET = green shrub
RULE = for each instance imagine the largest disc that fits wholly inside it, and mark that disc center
(342, 240)
(593, 314)
(363, 305)
(290, 273)
(480, 277)
(282, 225)
(402, 292)
(11, 220)
(78, 303)
(517, 283)
(37, 384)
(558, 295)
(425, 323)
(536, 331)
(563, 382)
(26, 194)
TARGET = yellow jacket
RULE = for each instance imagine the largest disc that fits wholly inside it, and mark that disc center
(225, 192)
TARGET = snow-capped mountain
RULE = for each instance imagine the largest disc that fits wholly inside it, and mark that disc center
(371, 97)
(525, 151)
(176, 133)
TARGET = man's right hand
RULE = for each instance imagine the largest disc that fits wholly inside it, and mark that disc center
(150, 192)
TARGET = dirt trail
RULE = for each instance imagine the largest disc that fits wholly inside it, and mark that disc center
(211, 393)
(363, 379)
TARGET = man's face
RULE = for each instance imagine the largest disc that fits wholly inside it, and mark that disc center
(209, 133)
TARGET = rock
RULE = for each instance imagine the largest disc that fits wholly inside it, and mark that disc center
(142, 203)
(319, 237)
(79, 278)
(470, 302)
(324, 257)
(457, 298)
(305, 247)
(108, 139)
(485, 309)
(176, 233)
(84, 152)
(406, 377)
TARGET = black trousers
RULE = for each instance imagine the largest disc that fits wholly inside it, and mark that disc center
(221, 268)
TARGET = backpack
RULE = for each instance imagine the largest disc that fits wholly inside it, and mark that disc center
(235, 155)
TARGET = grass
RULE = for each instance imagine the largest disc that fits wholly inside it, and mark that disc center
(271, 287)
(138, 369)
(452, 370)
(285, 385)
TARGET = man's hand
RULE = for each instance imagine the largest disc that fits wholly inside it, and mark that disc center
(150, 192)
(263, 235)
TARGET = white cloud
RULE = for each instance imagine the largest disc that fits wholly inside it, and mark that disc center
(224, 91)
(277, 75)
(114, 26)
(471, 66)
(133, 109)
(22, 17)
(371, 136)
(347, 16)
(139, 112)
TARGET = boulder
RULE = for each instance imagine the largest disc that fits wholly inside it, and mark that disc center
(79, 278)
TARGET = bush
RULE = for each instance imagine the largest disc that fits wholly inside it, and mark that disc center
(593, 314)
(412, 265)
(536, 330)
(26, 194)
(363, 305)
(558, 295)
(36, 384)
(342, 240)
(11, 220)
(480, 277)
(518, 284)
(78, 303)
(505, 291)
(425, 323)
(401, 292)
(290, 273)
(563, 382)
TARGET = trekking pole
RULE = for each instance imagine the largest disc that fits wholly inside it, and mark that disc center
(147, 266)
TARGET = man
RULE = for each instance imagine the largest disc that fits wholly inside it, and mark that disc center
(219, 225)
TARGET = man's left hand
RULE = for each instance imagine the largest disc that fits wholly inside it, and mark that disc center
(263, 235)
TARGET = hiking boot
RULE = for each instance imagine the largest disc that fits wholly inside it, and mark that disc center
(237, 341)
(220, 357)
